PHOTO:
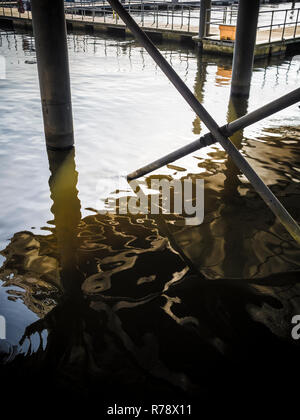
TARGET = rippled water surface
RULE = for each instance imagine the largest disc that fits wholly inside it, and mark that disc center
(131, 299)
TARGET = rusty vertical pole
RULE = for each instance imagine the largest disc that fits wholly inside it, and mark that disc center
(49, 27)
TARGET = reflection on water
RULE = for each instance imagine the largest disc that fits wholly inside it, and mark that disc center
(121, 301)
(67, 216)
(141, 305)
(200, 81)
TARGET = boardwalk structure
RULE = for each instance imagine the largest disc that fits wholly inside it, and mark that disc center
(278, 30)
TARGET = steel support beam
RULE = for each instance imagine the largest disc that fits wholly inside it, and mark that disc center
(244, 46)
(228, 129)
(49, 27)
(205, 5)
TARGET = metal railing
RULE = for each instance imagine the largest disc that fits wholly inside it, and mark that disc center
(11, 9)
(222, 15)
(277, 21)
(152, 13)
(219, 16)
(273, 22)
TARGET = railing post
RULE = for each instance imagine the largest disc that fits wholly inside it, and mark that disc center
(181, 17)
(167, 15)
(283, 31)
(295, 30)
(49, 27)
(271, 26)
(244, 47)
(205, 6)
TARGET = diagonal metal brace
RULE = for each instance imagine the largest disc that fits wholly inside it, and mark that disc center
(228, 130)
(261, 188)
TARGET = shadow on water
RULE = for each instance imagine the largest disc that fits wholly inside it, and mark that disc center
(144, 308)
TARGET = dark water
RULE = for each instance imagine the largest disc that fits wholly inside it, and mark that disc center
(143, 308)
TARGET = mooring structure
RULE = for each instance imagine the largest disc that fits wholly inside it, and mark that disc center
(58, 100)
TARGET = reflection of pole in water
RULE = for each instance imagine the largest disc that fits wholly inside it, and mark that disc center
(200, 81)
(233, 232)
(237, 108)
(67, 215)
